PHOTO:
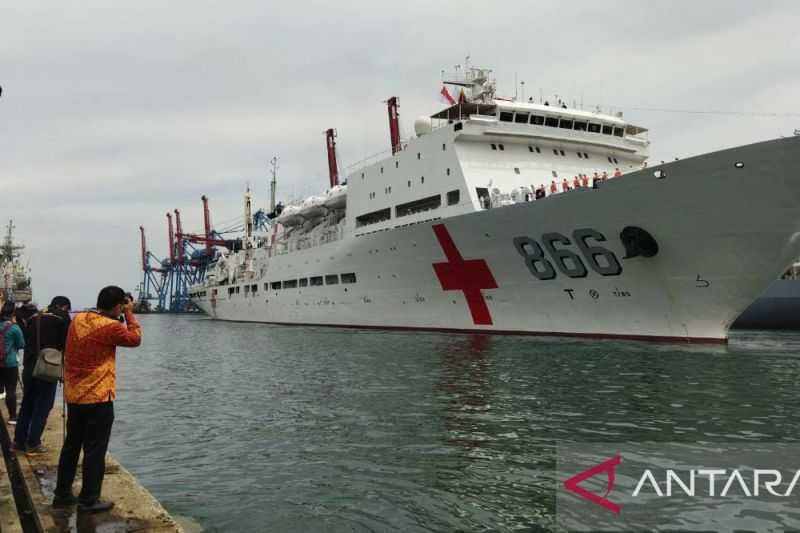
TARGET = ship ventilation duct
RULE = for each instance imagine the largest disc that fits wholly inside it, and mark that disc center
(638, 242)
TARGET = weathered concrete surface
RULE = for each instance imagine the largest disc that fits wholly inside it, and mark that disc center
(9, 520)
(135, 509)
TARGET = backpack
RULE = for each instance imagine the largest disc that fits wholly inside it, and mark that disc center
(3, 343)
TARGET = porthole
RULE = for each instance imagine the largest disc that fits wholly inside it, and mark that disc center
(739, 164)
(448, 171)
(580, 155)
(562, 152)
(609, 159)
(659, 174)
(419, 156)
(530, 149)
(494, 146)
(501, 147)
(422, 179)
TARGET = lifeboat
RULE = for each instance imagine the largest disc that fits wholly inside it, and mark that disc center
(313, 207)
(290, 216)
(336, 197)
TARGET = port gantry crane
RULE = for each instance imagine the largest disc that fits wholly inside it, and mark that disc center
(168, 282)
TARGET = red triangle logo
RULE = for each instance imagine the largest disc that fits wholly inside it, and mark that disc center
(608, 467)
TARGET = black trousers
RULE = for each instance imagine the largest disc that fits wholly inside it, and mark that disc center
(88, 428)
(8, 378)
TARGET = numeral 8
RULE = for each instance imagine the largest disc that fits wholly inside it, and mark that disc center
(574, 270)
(534, 258)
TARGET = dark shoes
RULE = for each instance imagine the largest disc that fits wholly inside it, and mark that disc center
(39, 450)
(98, 506)
(61, 502)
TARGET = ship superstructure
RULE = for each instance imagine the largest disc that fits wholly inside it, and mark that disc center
(447, 233)
(16, 279)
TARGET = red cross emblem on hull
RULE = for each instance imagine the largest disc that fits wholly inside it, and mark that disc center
(469, 276)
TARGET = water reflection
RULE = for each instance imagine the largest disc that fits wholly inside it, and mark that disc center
(318, 429)
(464, 382)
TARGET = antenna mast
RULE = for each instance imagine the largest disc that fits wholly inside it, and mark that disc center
(273, 184)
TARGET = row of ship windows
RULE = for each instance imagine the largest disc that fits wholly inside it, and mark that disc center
(422, 179)
(564, 123)
(397, 163)
(313, 281)
(408, 208)
(399, 226)
(388, 190)
(536, 149)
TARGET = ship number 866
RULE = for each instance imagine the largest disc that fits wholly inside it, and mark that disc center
(600, 259)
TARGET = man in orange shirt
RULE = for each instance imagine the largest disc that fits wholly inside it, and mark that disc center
(89, 390)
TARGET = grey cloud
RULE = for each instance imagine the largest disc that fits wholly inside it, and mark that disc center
(115, 113)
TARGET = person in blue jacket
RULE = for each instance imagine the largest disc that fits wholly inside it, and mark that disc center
(12, 342)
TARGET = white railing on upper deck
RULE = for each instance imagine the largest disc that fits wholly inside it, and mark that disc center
(385, 154)
(370, 160)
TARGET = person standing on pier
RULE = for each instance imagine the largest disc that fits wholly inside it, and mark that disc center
(12, 342)
(46, 329)
(90, 390)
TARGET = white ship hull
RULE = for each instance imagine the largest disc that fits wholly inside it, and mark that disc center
(724, 234)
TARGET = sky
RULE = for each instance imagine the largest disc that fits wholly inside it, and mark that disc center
(113, 113)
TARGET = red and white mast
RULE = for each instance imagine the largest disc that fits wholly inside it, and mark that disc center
(333, 169)
(394, 124)
(171, 239)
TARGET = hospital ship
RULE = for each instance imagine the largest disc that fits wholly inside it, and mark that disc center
(446, 232)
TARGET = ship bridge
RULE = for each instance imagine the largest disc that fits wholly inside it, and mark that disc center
(532, 120)
(484, 150)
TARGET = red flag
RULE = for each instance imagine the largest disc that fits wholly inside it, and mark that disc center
(446, 96)
(461, 98)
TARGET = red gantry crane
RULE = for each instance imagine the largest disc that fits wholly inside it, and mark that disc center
(185, 266)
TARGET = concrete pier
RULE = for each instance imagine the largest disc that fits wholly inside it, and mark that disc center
(27, 483)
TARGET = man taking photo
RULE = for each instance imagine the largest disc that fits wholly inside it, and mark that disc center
(90, 390)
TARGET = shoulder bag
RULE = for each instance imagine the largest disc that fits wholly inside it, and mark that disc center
(49, 361)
